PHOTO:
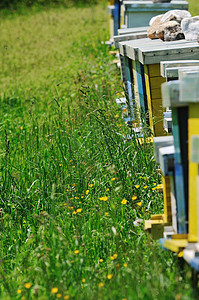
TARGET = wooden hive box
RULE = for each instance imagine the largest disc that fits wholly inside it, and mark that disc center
(146, 55)
(139, 13)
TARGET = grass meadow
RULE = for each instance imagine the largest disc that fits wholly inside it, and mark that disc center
(73, 188)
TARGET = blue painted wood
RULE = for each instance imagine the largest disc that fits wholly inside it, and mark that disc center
(181, 198)
(139, 70)
(195, 264)
(166, 160)
(116, 14)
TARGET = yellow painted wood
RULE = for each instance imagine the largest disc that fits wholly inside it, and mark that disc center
(167, 199)
(122, 19)
(111, 2)
(148, 92)
(154, 100)
(179, 236)
(193, 129)
(157, 112)
(156, 94)
(156, 82)
(175, 245)
(154, 70)
(148, 223)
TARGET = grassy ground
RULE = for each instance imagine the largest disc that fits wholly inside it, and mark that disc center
(71, 186)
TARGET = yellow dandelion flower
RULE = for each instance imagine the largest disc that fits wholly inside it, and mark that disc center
(153, 189)
(83, 280)
(79, 210)
(112, 257)
(65, 204)
(73, 166)
(145, 187)
(76, 198)
(101, 260)
(113, 179)
(23, 298)
(60, 165)
(82, 197)
(80, 202)
(116, 116)
(101, 285)
(54, 290)
(107, 189)
(159, 186)
(106, 214)
(124, 201)
(59, 295)
(117, 266)
(28, 285)
(124, 299)
(139, 203)
(76, 251)
(87, 192)
(137, 186)
(71, 160)
(155, 184)
(125, 265)
(180, 254)
(134, 198)
(90, 185)
(21, 127)
(110, 276)
(19, 291)
(67, 190)
(66, 297)
(72, 261)
(85, 44)
(74, 213)
(115, 256)
(103, 198)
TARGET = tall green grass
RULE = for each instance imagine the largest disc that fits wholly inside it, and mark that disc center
(73, 187)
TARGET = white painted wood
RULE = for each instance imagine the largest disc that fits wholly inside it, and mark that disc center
(160, 142)
(179, 50)
(189, 86)
(169, 69)
(132, 30)
(171, 94)
(128, 37)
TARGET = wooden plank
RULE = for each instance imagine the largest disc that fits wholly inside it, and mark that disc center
(132, 30)
(148, 94)
(167, 198)
(173, 205)
(157, 113)
(128, 37)
(156, 82)
(175, 245)
(193, 129)
(182, 202)
(160, 142)
(171, 94)
(166, 160)
(172, 52)
(174, 65)
(154, 70)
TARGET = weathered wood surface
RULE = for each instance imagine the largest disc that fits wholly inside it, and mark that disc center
(128, 37)
(182, 50)
(139, 13)
(160, 142)
(166, 160)
(124, 31)
(169, 69)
